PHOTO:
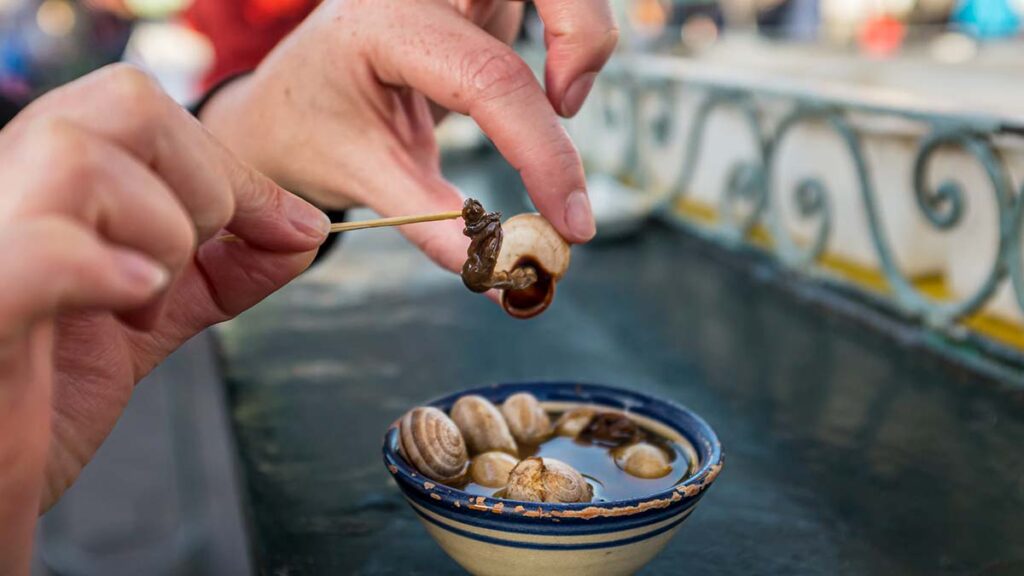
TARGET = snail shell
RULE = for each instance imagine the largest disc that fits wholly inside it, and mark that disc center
(526, 418)
(432, 443)
(574, 421)
(483, 426)
(643, 460)
(529, 240)
(492, 469)
(547, 480)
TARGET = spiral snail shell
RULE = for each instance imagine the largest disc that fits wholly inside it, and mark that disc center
(492, 469)
(526, 419)
(483, 426)
(432, 443)
(643, 460)
(547, 480)
(531, 241)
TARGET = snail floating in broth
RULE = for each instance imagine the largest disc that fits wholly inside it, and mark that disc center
(527, 451)
(483, 426)
(524, 258)
(547, 480)
(526, 418)
(643, 460)
(492, 469)
(433, 444)
(574, 421)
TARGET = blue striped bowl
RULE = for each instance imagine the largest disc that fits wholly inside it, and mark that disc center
(490, 536)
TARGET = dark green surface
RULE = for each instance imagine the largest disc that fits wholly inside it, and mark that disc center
(845, 452)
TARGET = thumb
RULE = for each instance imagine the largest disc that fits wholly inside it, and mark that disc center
(280, 236)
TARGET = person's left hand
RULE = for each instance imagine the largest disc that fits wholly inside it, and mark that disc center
(341, 111)
(112, 198)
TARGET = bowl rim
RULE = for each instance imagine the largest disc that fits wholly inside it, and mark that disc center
(681, 419)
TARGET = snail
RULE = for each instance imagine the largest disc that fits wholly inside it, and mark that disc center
(492, 469)
(524, 257)
(547, 480)
(612, 429)
(526, 418)
(574, 421)
(643, 460)
(432, 443)
(482, 426)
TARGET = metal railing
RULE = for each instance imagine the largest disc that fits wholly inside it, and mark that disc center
(753, 209)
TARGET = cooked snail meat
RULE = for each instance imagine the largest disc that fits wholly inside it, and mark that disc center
(524, 258)
(612, 429)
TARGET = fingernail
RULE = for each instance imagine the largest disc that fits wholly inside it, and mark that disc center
(578, 216)
(141, 271)
(577, 94)
(306, 218)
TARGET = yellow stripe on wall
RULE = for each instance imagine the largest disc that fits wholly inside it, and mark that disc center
(997, 328)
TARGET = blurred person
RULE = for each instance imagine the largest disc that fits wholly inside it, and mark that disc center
(988, 18)
(47, 43)
(110, 263)
(790, 19)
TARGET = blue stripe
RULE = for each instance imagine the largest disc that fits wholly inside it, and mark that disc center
(538, 546)
(520, 524)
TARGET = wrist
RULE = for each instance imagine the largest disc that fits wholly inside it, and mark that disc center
(224, 111)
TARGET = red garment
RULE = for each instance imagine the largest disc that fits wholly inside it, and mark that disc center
(244, 31)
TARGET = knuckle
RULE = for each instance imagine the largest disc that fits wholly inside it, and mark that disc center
(597, 41)
(495, 72)
(560, 150)
(65, 149)
(133, 92)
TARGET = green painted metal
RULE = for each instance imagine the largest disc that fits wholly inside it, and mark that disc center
(749, 200)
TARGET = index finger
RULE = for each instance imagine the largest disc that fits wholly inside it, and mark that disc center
(580, 36)
(214, 187)
(470, 72)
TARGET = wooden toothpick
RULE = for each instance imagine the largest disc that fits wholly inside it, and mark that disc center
(377, 223)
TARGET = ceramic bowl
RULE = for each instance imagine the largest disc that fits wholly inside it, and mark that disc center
(490, 536)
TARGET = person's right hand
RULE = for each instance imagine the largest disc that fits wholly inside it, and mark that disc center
(341, 111)
(112, 195)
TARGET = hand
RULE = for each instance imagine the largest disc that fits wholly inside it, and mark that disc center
(340, 111)
(109, 187)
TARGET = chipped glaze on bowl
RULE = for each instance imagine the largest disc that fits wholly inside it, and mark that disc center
(497, 537)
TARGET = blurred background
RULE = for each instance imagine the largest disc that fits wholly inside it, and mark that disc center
(171, 459)
(189, 44)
